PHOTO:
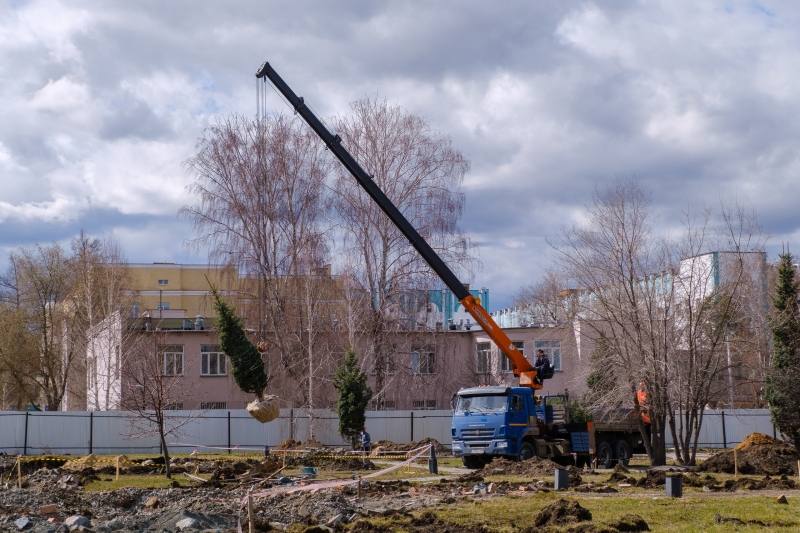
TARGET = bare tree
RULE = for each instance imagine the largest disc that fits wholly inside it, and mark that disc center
(37, 296)
(155, 385)
(672, 311)
(260, 190)
(421, 172)
(718, 270)
(102, 293)
(611, 260)
(547, 301)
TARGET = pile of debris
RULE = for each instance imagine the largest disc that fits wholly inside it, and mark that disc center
(533, 467)
(758, 455)
(389, 446)
(291, 444)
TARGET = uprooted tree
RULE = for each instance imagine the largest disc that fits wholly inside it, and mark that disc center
(354, 395)
(246, 363)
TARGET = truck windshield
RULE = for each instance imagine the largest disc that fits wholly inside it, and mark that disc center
(482, 404)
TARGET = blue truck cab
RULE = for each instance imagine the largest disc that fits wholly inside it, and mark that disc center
(494, 421)
(511, 422)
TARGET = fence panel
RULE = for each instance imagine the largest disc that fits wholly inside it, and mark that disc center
(739, 423)
(433, 424)
(107, 432)
(58, 432)
(111, 434)
(12, 436)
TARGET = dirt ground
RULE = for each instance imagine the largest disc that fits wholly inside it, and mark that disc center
(389, 446)
(214, 506)
(772, 458)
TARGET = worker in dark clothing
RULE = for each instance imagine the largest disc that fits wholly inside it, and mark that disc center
(541, 365)
(366, 442)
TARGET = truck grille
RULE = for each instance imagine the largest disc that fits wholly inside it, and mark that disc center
(466, 433)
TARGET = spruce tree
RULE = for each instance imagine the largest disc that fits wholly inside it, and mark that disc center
(246, 364)
(782, 389)
(354, 395)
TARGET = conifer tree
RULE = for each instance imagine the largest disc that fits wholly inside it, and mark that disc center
(245, 361)
(354, 395)
(783, 379)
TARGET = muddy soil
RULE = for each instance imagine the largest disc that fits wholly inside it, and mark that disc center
(562, 512)
(389, 446)
(291, 444)
(765, 459)
(534, 467)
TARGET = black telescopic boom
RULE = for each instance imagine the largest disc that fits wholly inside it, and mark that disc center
(334, 143)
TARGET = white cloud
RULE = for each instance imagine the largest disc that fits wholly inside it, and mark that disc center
(103, 101)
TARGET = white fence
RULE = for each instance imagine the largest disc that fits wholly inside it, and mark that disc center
(106, 432)
(725, 429)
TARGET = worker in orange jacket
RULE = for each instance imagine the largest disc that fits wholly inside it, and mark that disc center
(644, 403)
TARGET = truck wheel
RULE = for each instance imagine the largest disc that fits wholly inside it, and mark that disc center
(605, 457)
(526, 452)
(623, 452)
(471, 462)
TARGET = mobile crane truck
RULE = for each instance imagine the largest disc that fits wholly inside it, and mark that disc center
(491, 421)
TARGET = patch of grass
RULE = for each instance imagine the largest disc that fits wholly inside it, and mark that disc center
(662, 514)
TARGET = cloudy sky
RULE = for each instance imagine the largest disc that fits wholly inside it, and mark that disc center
(102, 101)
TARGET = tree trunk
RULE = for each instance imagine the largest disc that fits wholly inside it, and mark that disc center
(165, 449)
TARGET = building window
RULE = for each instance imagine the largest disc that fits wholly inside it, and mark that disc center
(423, 361)
(391, 361)
(483, 357)
(420, 405)
(552, 349)
(213, 361)
(163, 306)
(388, 405)
(505, 362)
(213, 405)
(135, 310)
(92, 364)
(177, 406)
(172, 359)
(163, 282)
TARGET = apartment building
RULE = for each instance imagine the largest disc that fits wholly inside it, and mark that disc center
(439, 351)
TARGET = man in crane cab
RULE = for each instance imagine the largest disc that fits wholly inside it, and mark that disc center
(541, 365)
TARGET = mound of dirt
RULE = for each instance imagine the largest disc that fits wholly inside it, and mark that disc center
(756, 439)
(288, 444)
(766, 483)
(533, 467)
(562, 512)
(756, 459)
(389, 446)
(655, 478)
(327, 463)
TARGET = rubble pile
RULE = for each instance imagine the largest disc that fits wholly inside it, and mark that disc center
(758, 455)
(533, 467)
(389, 446)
